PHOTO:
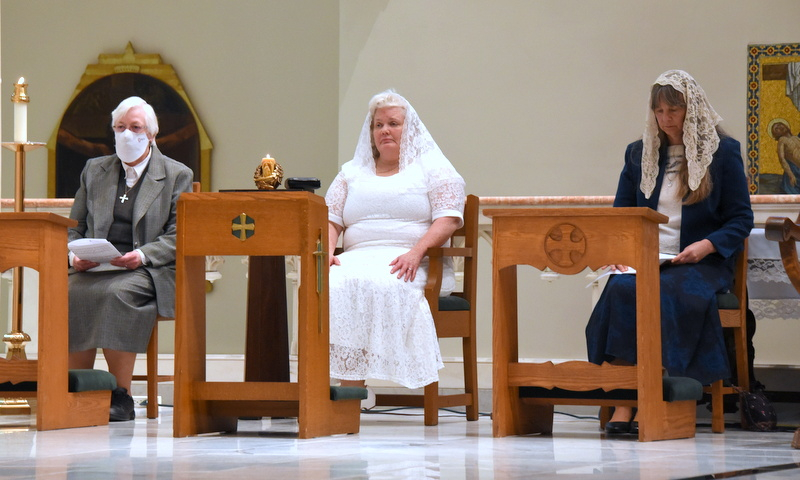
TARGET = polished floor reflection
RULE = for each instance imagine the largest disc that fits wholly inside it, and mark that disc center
(390, 446)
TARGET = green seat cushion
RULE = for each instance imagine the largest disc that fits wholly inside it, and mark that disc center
(727, 301)
(89, 380)
(681, 388)
(675, 389)
(79, 381)
(453, 303)
(348, 393)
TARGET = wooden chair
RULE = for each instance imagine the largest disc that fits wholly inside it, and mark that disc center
(569, 240)
(152, 377)
(454, 317)
(786, 233)
(732, 315)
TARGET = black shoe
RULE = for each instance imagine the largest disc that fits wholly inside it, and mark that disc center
(621, 428)
(634, 428)
(618, 428)
(121, 406)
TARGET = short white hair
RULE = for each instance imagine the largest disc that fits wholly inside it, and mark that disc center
(151, 122)
(387, 98)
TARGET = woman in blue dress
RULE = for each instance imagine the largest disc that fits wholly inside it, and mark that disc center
(686, 168)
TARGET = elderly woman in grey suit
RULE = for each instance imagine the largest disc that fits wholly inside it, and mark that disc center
(130, 199)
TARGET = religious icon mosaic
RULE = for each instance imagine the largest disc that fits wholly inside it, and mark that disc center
(773, 118)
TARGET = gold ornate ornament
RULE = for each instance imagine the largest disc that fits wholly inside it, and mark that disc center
(268, 174)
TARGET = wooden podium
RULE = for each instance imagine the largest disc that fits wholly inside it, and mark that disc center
(39, 241)
(255, 224)
(568, 240)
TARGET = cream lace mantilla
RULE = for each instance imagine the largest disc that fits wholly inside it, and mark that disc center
(699, 132)
(417, 146)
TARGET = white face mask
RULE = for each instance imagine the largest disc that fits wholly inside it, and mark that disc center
(130, 146)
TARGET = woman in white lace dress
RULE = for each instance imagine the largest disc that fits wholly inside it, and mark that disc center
(397, 197)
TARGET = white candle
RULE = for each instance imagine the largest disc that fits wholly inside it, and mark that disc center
(21, 117)
(21, 122)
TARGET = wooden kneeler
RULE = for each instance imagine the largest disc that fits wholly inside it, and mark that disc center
(86, 386)
(569, 240)
(258, 224)
(38, 240)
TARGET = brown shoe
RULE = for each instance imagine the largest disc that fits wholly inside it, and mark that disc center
(796, 439)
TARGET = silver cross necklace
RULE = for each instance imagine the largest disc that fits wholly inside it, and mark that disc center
(125, 196)
(127, 189)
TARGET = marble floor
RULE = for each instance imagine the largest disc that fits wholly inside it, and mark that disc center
(390, 446)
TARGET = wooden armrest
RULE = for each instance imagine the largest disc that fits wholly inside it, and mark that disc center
(434, 285)
(781, 229)
(786, 233)
(436, 266)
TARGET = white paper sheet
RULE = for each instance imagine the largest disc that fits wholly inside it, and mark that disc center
(662, 258)
(97, 250)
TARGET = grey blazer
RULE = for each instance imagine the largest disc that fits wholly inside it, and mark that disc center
(154, 214)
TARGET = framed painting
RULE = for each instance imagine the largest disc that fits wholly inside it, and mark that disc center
(84, 130)
(773, 118)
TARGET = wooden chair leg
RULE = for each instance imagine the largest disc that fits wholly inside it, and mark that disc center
(431, 404)
(152, 374)
(471, 377)
(717, 408)
(742, 367)
(605, 416)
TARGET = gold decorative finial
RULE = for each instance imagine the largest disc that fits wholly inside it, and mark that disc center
(20, 94)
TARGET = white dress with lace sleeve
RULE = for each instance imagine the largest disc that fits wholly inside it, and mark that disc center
(381, 326)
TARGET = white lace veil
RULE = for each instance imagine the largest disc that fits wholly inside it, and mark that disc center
(700, 136)
(416, 143)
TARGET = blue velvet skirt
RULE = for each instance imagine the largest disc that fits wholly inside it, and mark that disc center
(691, 336)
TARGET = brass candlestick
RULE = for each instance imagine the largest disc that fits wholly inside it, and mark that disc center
(16, 338)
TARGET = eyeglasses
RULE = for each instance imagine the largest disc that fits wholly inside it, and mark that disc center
(137, 129)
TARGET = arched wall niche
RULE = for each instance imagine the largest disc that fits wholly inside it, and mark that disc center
(85, 131)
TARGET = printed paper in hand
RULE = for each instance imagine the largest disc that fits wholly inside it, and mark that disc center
(97, 250)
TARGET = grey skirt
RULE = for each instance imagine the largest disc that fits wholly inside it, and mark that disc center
(114, 310)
